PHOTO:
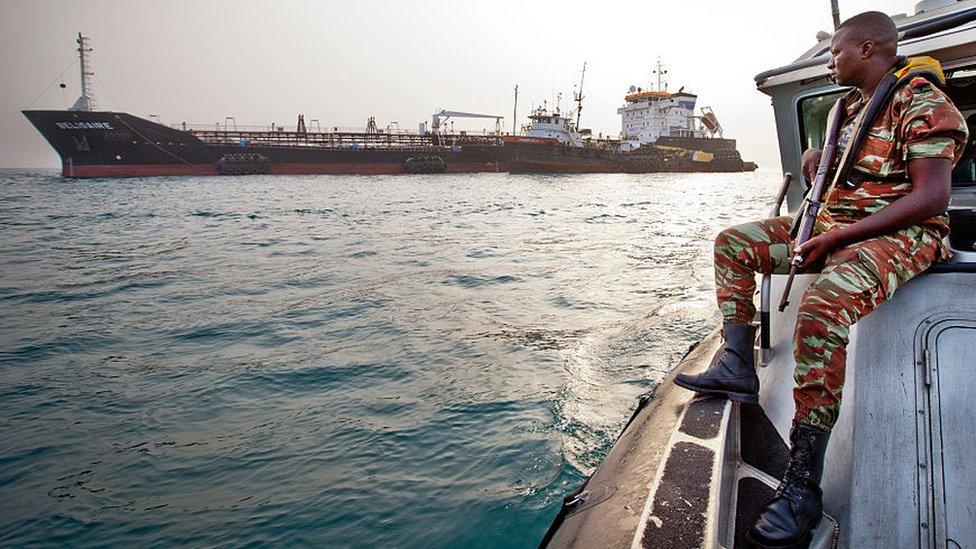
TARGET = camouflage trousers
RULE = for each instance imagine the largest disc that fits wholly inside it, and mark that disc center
(853, 282)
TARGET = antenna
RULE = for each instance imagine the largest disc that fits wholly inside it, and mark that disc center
(579, 97)
(552, 87)
(515, 110)
(86, 102)
(660, 72)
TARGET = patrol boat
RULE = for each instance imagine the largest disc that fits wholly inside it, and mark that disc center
(691, 471)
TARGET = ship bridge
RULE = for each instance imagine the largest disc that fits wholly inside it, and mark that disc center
(553, 125)
(649, 115)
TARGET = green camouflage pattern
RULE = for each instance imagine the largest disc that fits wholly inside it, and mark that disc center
(919, 122)
(740, 253)
(854, 281)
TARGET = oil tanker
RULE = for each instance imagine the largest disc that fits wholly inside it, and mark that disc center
(94, 143)
(660, 133)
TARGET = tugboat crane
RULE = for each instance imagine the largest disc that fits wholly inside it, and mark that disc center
(439, 118)
(578, 96)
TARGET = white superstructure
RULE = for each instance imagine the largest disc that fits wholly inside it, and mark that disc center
(646, 116)
(650, 114)
(553, 125)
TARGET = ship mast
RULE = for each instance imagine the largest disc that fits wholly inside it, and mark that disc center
(579, 97)
(87, 101)
(662, 83)
(515, 110)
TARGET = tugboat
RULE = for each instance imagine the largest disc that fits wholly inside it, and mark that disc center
(551, 144)
(96, 143)
(660, 133)
(692, 471)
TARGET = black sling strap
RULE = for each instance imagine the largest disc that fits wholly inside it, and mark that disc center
(879, 100)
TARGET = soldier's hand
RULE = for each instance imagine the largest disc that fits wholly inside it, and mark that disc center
(814, 252)
(809, 162)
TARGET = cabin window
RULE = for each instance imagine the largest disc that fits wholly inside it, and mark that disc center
(961, 88)
(813, 118)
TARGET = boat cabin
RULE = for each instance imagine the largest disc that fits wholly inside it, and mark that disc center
(547, 124)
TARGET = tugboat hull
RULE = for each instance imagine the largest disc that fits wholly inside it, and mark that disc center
(533, 155)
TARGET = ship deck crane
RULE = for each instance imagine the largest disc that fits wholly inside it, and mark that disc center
(439, 118)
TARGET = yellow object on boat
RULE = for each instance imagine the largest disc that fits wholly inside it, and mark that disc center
(923, 63)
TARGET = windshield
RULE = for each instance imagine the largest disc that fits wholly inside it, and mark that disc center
(960, 87)
(813, 118)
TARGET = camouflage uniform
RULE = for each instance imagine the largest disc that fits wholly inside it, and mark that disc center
(919, 122)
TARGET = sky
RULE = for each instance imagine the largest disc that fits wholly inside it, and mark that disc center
(399, 61)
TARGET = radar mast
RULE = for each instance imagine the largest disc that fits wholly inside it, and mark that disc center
(86, 102)
(662, 81)
(579, 97)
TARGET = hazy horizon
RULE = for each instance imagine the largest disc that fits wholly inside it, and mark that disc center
(263, 62)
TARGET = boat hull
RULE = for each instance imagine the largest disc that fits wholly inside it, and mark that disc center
(686, 471)
(533, 155)
(110, 144)
(694, 471)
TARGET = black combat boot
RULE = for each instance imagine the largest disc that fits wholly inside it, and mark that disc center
(732, 375)
(789, 519)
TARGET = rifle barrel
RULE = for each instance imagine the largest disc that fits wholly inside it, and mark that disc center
(809, 212)
(785, 300)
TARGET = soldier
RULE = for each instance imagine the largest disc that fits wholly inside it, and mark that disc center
(876, 232)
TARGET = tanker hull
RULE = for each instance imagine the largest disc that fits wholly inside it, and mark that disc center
(111, 144)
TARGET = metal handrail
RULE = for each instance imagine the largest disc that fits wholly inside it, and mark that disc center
(343, 139)
(766, 285)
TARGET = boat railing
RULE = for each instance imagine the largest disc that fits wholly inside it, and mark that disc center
(343, 140)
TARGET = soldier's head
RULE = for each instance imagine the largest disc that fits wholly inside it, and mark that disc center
(863, 48)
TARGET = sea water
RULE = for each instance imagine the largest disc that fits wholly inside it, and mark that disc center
(422, 361)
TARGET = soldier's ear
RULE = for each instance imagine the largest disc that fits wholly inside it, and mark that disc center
(867, 49)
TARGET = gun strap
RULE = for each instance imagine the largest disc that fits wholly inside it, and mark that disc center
(879, 100)
(839, 110)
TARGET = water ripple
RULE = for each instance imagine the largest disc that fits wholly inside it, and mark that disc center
(281, 361)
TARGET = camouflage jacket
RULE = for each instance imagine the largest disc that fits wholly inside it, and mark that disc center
(919, 122)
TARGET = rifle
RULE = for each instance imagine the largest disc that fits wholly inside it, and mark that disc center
(812, 202)
(885, 90)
